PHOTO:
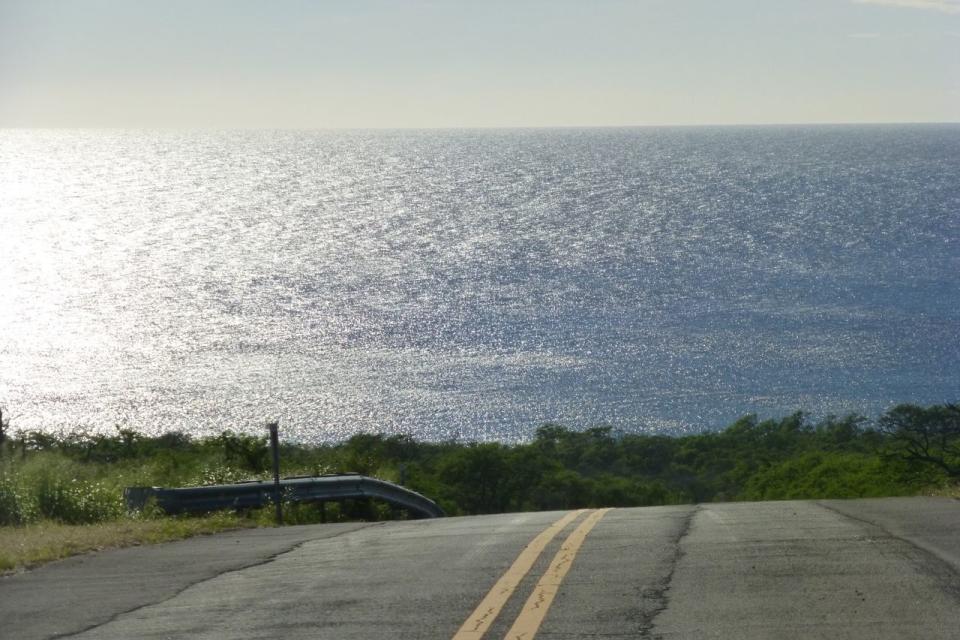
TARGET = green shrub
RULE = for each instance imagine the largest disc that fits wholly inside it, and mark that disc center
(17, 506)
(817, 474)
(77, 502)
(250, 453)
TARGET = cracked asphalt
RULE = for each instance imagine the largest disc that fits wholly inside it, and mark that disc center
(876, 569)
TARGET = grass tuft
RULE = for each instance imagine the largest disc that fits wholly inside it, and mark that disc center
(28, 546)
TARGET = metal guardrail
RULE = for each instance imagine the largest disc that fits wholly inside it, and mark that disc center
(259, 493)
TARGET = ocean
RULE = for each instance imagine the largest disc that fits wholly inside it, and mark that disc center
(475, 284)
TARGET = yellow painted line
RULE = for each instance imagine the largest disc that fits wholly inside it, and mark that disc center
(488, 609)
(535, 610)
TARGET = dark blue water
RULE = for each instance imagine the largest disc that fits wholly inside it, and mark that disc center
(476, 284)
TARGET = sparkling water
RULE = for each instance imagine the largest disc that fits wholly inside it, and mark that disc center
(478, 283)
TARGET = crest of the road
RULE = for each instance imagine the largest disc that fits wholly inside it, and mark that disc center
(859, 570)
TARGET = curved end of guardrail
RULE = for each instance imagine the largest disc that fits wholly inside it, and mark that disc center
(402, 497)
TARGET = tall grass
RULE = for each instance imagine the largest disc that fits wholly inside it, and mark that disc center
(50, 486)
(61, 496)
(45, 540)
(79, 478)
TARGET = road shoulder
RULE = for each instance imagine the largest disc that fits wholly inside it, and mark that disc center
(53, 600)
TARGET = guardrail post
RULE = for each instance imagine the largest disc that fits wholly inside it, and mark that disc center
(275, 447)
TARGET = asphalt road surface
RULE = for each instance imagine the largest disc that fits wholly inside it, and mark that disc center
(869, 569)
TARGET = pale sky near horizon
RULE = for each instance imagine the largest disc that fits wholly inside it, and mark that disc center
(486, 63)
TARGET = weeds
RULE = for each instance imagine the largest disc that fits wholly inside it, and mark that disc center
(30, 545)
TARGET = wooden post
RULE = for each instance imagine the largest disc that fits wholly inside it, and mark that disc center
(275, 446)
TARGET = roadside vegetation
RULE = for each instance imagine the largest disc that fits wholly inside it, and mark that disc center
(62, 493)
(36, 543)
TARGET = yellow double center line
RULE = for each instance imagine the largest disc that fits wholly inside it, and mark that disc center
(537, 605)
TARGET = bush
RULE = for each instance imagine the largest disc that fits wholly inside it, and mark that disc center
(817, 475)
(77, 502)
(246, 452)
(17, 506)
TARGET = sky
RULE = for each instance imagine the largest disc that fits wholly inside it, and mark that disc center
(486, 63)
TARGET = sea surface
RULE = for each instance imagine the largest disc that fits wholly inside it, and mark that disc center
(475, 284)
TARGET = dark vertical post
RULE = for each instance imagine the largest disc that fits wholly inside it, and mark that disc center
(2, 433)
(275, 447)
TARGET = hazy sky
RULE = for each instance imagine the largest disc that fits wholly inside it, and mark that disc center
(442, 63)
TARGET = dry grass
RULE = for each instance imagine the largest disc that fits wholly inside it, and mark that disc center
(947, 491)
(31, 545)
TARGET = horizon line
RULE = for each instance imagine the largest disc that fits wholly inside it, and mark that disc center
(160, 127)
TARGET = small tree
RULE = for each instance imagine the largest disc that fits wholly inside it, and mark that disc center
(246, 452)
(925, 435)
(478, 476)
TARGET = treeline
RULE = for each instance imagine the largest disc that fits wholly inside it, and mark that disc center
(79, 477)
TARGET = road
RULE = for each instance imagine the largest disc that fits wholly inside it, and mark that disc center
(857, 569)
